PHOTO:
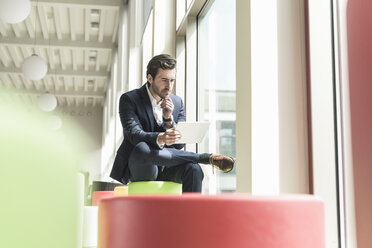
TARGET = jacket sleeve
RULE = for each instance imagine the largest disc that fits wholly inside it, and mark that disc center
(133, 129)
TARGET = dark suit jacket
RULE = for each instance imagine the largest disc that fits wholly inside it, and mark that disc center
(137, 119)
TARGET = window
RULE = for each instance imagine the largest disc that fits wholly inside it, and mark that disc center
(216, 88)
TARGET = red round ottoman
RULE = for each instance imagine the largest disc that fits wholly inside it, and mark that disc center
(99, 195)
(194, 220)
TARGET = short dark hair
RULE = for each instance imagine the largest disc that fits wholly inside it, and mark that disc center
(163, 61)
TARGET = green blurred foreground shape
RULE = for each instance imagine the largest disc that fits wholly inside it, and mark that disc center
(154, 187)
(38, 181)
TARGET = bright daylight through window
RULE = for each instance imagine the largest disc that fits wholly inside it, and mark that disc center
(216, 88)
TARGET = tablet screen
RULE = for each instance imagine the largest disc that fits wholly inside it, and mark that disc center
(192, 132)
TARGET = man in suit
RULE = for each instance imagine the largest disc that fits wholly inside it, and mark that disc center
(149, 151)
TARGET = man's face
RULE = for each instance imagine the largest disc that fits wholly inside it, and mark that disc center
(161, 86)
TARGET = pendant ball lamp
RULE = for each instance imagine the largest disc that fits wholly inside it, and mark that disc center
(54, 122)
(47, 102)
(34, 67)
(14, 11)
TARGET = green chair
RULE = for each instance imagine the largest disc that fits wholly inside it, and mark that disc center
(154, 188)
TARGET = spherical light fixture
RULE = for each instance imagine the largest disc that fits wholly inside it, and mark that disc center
(54, 122)
(47, 102)
(34, 67)
(14, 11)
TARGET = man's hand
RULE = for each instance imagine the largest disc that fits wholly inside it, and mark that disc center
(169, 137)
(167, 106)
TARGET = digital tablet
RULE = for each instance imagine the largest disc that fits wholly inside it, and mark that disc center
(192, 132)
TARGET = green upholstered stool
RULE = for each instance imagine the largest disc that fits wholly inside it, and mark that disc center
(154, 187)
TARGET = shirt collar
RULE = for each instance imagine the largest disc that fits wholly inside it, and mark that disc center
(152, 99)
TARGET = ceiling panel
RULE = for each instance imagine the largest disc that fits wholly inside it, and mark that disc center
(75, 38)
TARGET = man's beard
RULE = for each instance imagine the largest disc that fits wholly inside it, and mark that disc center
(162, 94)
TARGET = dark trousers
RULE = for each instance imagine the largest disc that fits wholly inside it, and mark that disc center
(147, 163)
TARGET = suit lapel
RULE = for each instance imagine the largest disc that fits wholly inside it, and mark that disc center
(148, 107)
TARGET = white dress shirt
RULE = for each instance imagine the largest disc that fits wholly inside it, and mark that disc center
(157, 111)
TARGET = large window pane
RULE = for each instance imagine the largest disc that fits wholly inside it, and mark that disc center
(216, 87)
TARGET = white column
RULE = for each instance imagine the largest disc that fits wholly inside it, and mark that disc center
(179, 87)
(265, 118)
(164, 27)
(323, 132)
(123, 65)
(292, 95)
(134, 71)
(350, 232)
(191, 72)
(243, 97)
(123, 48)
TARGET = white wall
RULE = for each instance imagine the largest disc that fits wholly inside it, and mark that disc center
(89, 121)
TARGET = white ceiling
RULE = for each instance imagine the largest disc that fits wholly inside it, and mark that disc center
(75, 37)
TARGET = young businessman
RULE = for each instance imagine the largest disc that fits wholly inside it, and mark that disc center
(149, 116)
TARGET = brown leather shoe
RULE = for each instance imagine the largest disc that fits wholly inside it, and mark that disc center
(223, 163)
